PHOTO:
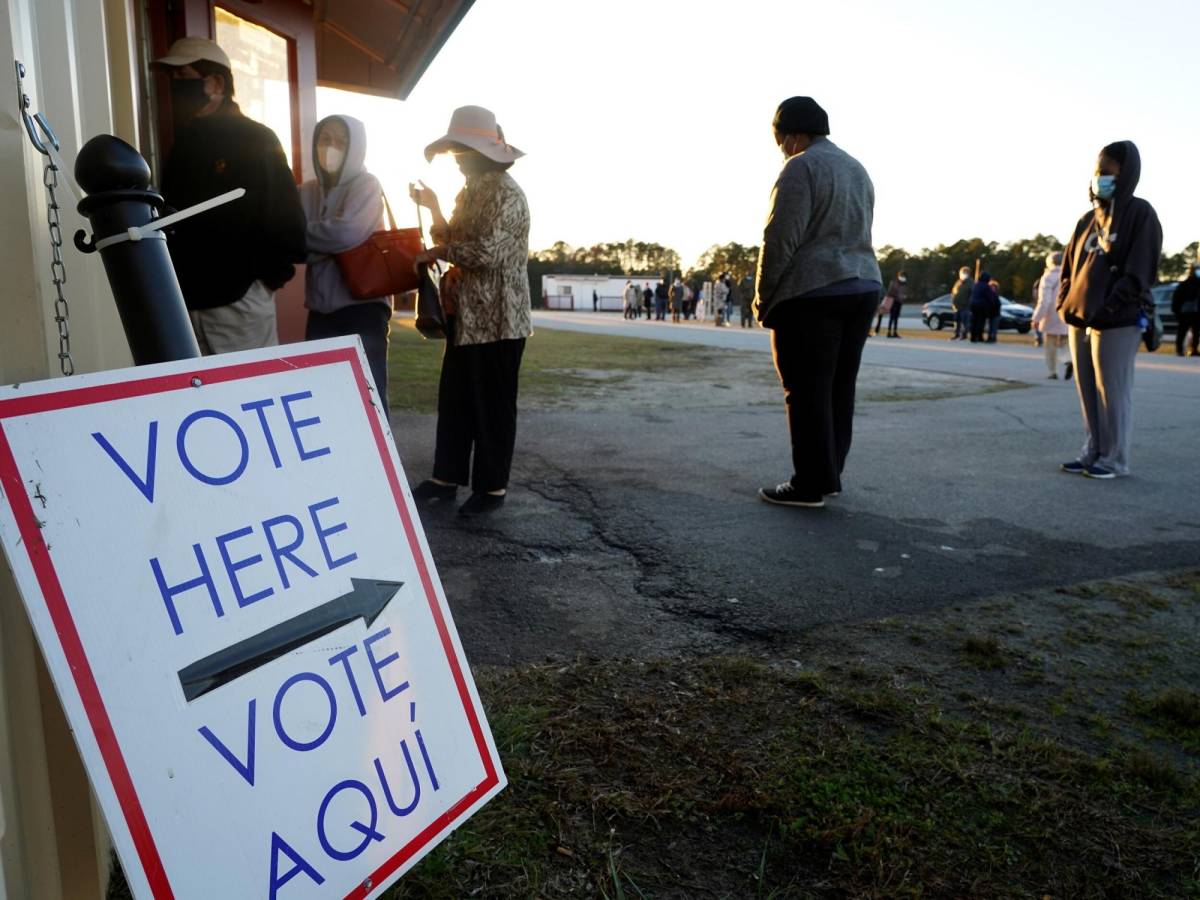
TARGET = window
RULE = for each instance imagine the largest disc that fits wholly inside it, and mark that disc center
(261, 65)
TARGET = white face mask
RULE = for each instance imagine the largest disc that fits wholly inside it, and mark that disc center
(964, 275)
(902, 280)
(331, 158)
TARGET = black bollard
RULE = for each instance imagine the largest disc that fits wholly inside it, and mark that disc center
(155, 318)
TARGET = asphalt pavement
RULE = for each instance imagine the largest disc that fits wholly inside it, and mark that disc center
(638, 532)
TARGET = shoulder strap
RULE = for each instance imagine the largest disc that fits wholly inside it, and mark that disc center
(391, 220)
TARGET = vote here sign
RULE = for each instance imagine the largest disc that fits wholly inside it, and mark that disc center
(222, 565)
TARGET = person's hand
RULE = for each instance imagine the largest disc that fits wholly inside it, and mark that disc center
(423, 196)
(425, 257)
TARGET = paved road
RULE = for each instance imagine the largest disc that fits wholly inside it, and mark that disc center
(638, 531)
(1021, 361)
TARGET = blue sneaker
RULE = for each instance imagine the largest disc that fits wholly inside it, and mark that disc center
(1099, 472)
(1074, 468)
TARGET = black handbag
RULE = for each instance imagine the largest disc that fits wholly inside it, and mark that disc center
(430, 317)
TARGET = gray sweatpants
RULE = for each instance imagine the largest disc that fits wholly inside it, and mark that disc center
(1104, 362)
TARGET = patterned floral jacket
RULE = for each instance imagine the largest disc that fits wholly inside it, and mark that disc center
(487, 241)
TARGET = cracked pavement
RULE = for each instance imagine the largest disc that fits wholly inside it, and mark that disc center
(637, 532)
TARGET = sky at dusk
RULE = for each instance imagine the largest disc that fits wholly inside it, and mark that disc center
(651, 120)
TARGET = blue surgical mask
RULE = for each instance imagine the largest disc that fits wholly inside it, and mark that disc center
(1104, 186)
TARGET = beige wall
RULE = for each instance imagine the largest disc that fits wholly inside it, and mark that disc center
(78, 54)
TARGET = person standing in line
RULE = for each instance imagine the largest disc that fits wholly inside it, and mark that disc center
(486, 241)
(661, 296)
(676, 296)
(746, 290)
(994, 312)
(720, 296)
(633, 297)
(897, 293)
(961, 303)
(1046, 318)
(728, 299)
(1109, 265)
(1185, 303)
(344, 206)
(231, 260)
(648, 299)
(817, 288)
(733, 300)
(982, 297)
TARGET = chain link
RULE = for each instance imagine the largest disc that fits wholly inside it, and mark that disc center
(58, 271)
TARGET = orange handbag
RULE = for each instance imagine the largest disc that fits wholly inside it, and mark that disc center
(382, 264)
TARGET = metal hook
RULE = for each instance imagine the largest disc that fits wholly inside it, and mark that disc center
(35, 121)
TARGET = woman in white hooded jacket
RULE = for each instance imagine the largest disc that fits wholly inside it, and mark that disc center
(344, 205)
(1046, 318)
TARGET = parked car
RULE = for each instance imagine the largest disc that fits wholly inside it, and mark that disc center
(938, 313)
(1162, 294)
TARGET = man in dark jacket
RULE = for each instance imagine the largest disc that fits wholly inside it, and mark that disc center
(817, 289)
(1185, 303)
(230, 260)
(1109, 264)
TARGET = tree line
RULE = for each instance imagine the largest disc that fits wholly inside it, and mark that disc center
(931, 272)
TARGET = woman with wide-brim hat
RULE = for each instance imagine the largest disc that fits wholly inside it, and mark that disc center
(486, 295)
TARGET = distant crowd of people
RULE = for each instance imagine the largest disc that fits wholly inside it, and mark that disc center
(697, 302)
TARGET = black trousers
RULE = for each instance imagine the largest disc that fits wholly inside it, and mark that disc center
(979, 321)
(817, 343)
(894, 318)
(1185, 322)
(370, 321)
(477, 410)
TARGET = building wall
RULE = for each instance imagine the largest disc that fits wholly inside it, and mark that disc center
(78, 74)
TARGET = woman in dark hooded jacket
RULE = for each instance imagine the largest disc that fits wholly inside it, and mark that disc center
(985, 303)
(1109, 264)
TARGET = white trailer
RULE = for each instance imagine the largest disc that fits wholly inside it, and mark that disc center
(574, 292)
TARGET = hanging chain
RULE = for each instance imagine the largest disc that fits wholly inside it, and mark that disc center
(58, 271)
(42, 137)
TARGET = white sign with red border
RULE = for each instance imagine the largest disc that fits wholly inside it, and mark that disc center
(233, 593)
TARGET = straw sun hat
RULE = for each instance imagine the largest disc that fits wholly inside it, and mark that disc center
(475, 128)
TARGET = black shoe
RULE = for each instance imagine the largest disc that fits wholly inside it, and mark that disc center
(1053, 376)
(1068, 371)
(479, 504)
(1099, 472)
(1074, 467)
(431, 490)
(786, 495)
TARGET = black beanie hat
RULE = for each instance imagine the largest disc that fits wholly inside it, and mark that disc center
(801, 115)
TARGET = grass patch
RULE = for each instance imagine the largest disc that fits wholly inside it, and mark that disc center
(736, 778)
(983, 652)
(557, 365)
